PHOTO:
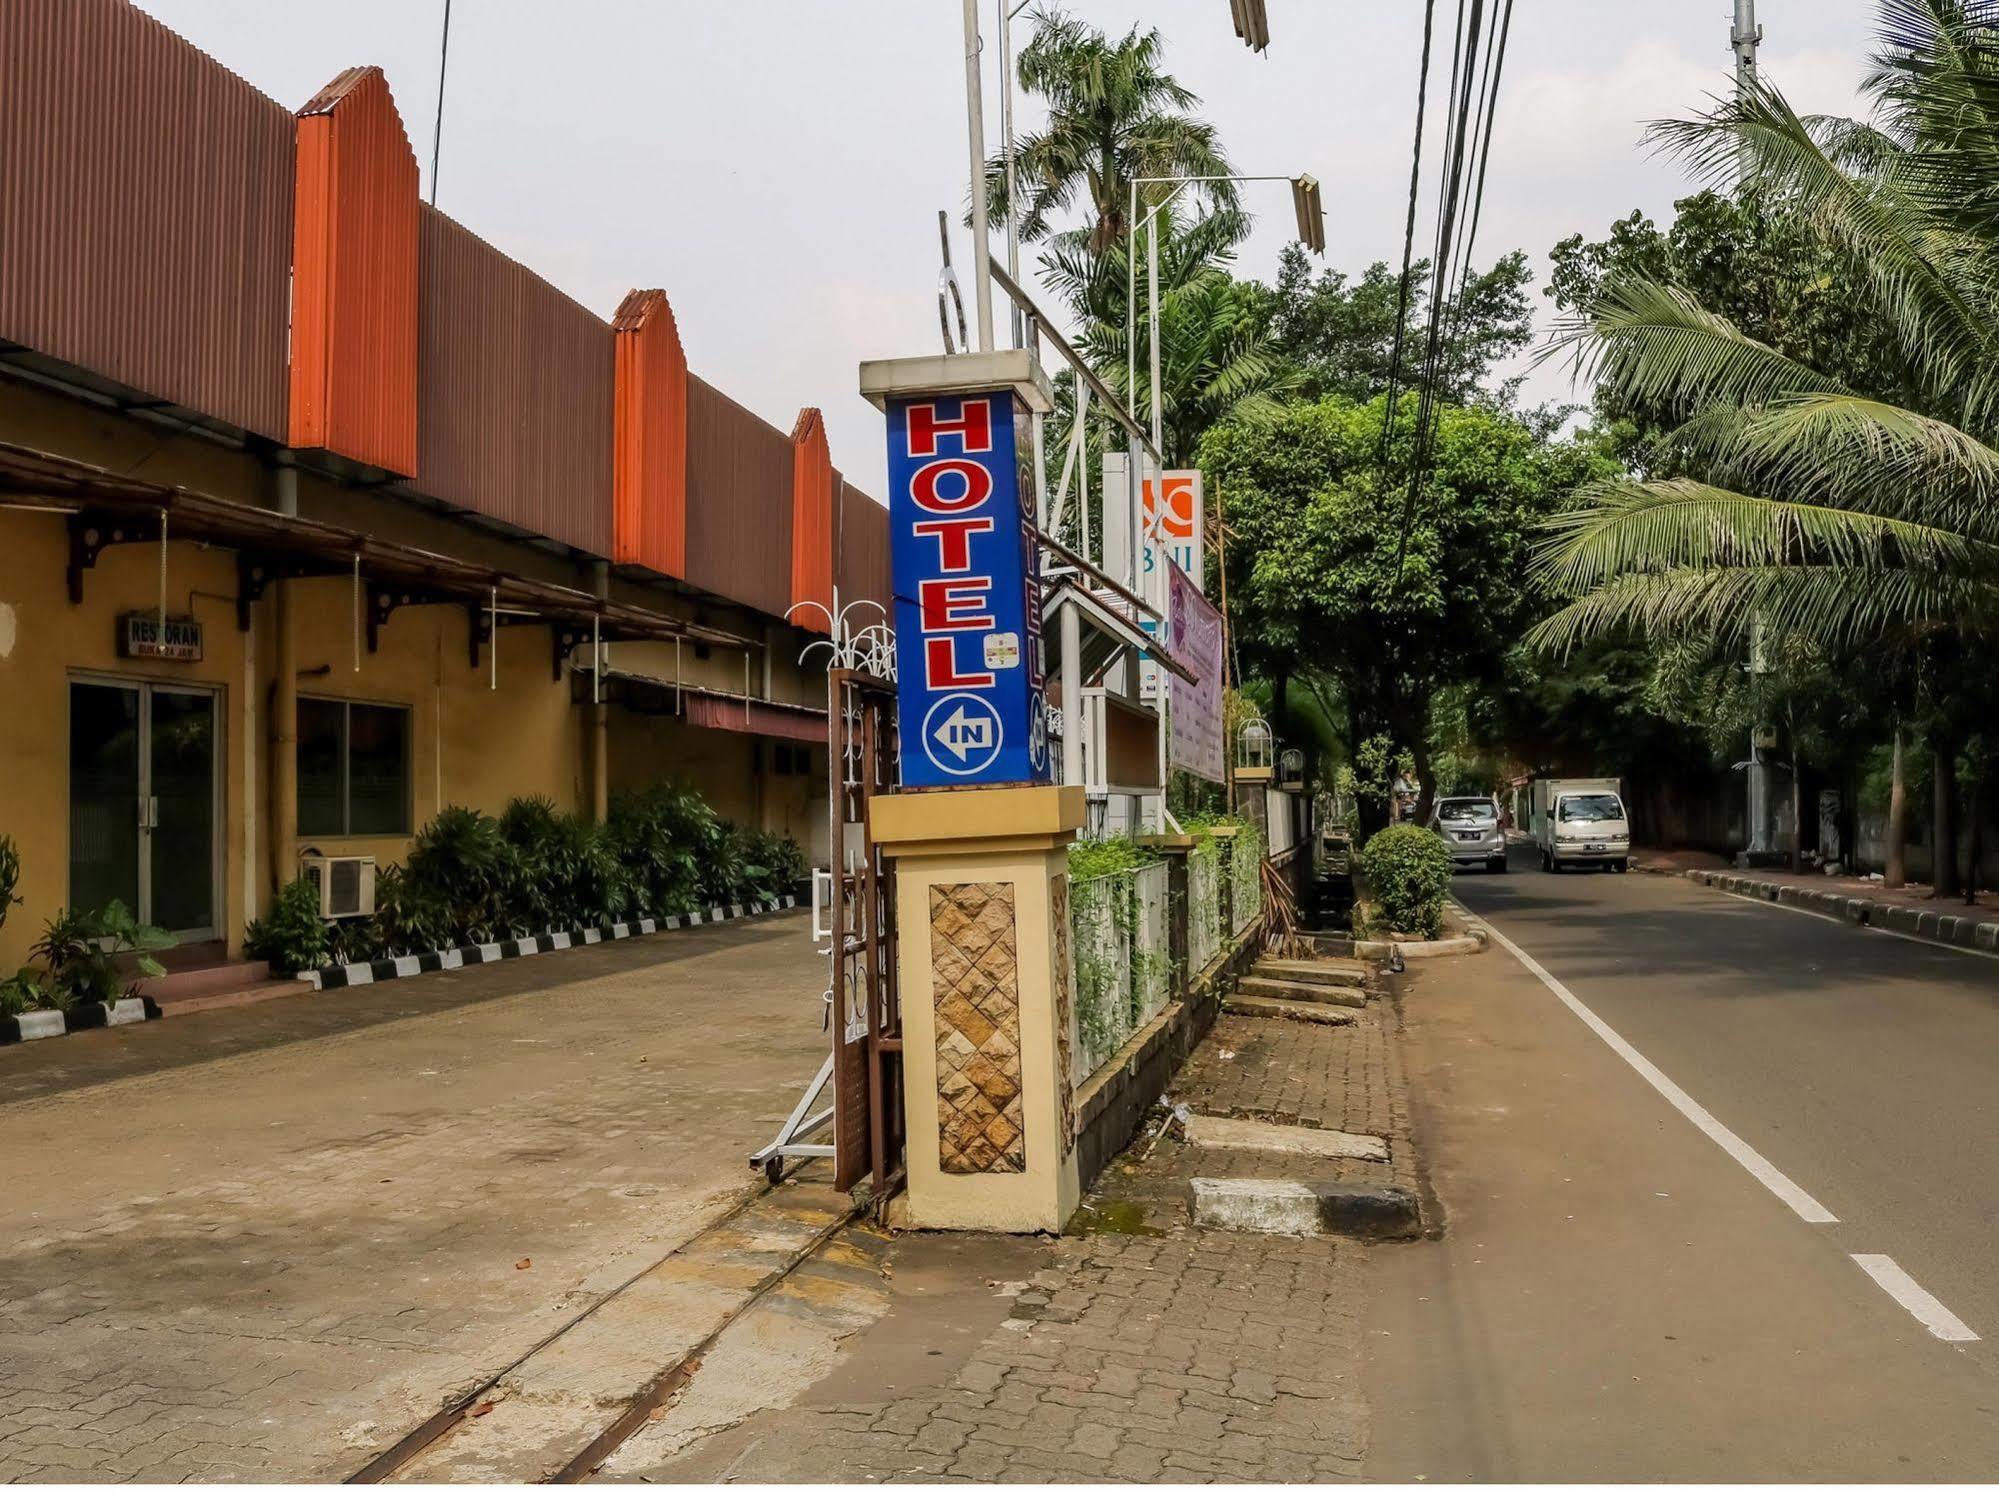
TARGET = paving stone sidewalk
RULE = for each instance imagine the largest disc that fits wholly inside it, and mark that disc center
(1136, 1348)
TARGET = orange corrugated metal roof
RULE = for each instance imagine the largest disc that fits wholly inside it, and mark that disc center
(354, 279)
(649, 468)
(813, 485)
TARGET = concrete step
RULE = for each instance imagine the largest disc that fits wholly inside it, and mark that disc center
(1290, 1009)
(249, 995)
(1257, 986)
(1250, 1205)
(1313, 970)
(1214, 1132)
(210, 978)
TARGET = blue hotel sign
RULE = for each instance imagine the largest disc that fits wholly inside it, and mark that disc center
(967, 594)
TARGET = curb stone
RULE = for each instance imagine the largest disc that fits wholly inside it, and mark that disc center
(1303, 1208)
(382, 970)
(42, 1025)
(1906, 921)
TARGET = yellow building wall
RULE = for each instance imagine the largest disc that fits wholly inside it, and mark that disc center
(471, 744)
(46, 642)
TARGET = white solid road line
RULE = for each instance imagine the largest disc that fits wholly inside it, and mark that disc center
(1917, 1302)
(1794, 1196)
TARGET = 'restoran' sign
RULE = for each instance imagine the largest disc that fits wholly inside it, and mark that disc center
(967, 594)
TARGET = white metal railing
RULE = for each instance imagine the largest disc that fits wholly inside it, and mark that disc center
(1152, 976)
(1280, 815)
(1120, 943)
(1204, 906)
(1245, 877)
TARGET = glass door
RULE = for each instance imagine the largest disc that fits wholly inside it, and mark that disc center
(104, 809)
(142, 803)
(179, 826)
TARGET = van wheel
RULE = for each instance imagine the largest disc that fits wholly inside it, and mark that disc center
(1622, 866)
(1547, 862)
(1496, 866)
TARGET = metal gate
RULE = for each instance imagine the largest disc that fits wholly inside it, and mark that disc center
(867, 1014)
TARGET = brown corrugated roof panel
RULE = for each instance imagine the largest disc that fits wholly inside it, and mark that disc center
(145, 210)
(739, 478)
(650, 470)
(814, 488)
(515, 392)
(354, 290)
(863, 565)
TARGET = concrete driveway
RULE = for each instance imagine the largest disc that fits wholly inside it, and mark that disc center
(260, 1243)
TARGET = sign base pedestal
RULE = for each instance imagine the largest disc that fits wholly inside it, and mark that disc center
(982, 927)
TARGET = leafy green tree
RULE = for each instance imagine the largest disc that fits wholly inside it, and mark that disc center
(1340, 331)
(1319, 581)
(1115, 115)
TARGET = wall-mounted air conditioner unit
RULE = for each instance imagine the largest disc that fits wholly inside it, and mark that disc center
(346, 885)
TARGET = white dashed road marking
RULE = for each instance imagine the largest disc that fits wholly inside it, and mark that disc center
(1881, 1268)
(1917, 1302)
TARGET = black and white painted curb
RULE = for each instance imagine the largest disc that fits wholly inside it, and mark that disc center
(1906, 921)
(39, 1025)
(346, 975)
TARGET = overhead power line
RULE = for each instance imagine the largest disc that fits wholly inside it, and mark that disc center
(1478, 64)
(437, 130)
(1489, 110)
(1409, 229)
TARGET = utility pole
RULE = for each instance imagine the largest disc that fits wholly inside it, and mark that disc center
(1744, 37)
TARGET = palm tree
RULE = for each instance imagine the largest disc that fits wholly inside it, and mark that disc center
(1820, 508)
(1113, 116)
(1853, 517)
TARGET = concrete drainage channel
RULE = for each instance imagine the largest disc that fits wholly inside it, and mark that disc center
(542, 1418)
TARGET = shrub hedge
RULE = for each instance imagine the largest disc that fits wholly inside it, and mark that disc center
(474, 878)
(1408, 873)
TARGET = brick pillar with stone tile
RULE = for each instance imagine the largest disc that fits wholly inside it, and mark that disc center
(982, 921)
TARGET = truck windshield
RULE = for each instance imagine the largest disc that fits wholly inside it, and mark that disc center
(1600, 808)
(1471, 809)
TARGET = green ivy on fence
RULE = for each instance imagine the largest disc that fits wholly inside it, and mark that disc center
(1114, 968)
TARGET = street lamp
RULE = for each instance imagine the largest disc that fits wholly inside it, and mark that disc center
(1311, 233)
(1311, 214)
(1251, 24)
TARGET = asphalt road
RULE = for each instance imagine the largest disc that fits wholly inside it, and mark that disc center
(1631, 1287)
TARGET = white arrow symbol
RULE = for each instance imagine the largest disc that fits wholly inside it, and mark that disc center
(961, 735)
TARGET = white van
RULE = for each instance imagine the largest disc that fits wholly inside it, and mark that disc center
(1578, 822)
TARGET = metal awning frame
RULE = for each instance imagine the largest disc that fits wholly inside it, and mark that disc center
(105, 509)
(1101, 618)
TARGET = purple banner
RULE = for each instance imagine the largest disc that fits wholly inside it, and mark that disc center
(1195, 744)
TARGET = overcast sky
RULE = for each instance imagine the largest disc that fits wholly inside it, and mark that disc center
(777, 165)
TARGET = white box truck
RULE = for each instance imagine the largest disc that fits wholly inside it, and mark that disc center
(1581, 821)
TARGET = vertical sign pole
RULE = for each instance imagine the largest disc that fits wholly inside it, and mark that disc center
(975, 126)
